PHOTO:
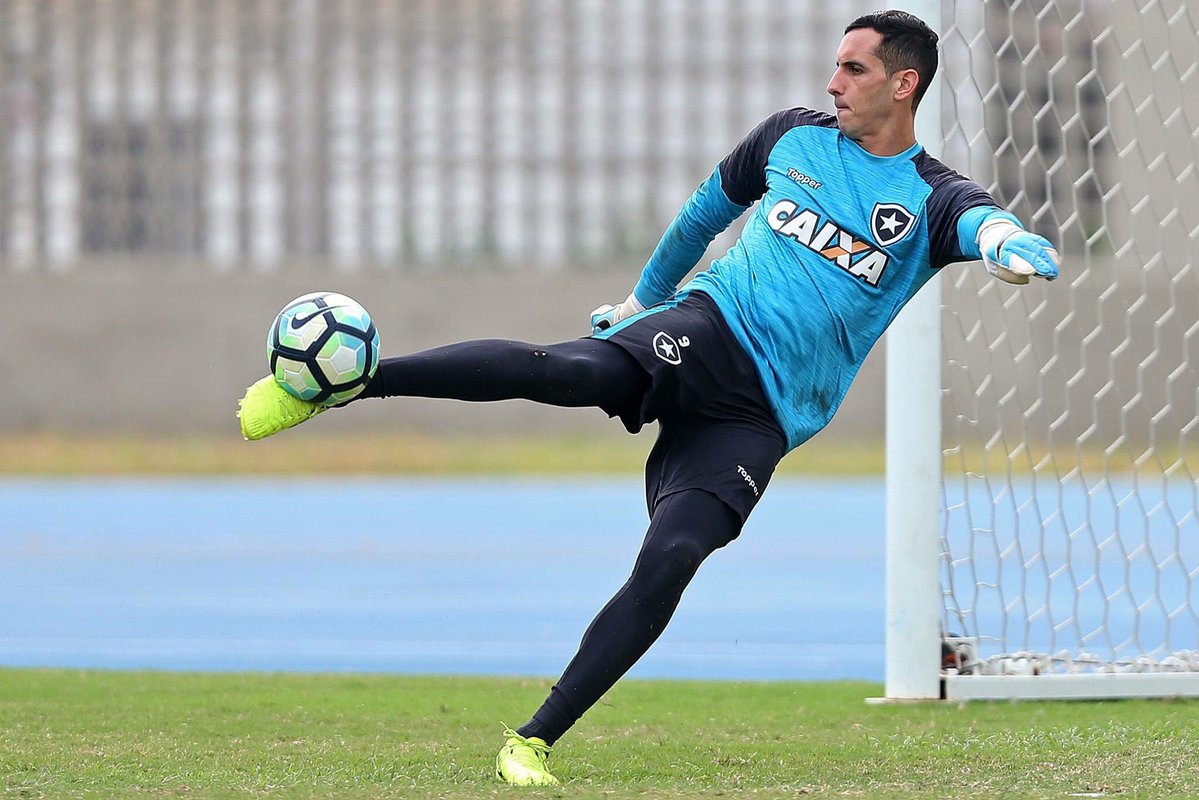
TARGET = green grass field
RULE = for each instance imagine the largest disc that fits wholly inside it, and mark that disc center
(140, 735)
(410, 453)
(143, 735)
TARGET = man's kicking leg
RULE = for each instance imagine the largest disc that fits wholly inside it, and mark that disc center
(577, 373)
(686, 528)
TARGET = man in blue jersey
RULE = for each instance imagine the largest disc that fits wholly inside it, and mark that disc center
(750, 358)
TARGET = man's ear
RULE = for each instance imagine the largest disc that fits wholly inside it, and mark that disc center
(909, 81)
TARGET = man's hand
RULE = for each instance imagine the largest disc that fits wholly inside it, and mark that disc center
(606, 316)
(1014, 255)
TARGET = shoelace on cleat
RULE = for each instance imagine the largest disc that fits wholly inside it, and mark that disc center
(543, 750)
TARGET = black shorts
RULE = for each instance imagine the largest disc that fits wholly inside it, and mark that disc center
(718, 432)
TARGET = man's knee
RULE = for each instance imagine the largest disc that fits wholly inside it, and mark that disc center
(667, 565)
(579, 369)
(679, 556)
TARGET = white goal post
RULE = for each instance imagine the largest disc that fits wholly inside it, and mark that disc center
(1042, 509)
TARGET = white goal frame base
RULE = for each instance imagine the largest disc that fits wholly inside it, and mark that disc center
(1098, 686)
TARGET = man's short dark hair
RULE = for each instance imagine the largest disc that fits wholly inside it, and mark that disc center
(908, 43)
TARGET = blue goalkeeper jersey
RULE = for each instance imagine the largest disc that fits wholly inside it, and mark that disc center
(840, 240)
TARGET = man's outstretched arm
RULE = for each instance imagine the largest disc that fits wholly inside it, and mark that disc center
(704, 216)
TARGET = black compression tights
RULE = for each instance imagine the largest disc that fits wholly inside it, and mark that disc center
(581, 372)
(685, 529)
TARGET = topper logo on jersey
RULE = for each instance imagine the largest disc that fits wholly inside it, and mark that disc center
(802, 179)
(890, 222)
(855, 256)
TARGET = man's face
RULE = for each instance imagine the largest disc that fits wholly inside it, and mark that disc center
(862, 92)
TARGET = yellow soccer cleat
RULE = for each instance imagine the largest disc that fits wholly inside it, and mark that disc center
(524, 762)
(267, 409)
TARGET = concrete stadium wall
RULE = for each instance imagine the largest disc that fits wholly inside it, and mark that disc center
(115, 350)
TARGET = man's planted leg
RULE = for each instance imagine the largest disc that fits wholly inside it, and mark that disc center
(687, 526)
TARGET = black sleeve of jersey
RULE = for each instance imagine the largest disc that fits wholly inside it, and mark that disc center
(952, 196)
(743, 171)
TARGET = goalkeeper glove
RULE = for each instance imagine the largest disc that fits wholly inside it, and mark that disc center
(1012, 254)
(606, 315)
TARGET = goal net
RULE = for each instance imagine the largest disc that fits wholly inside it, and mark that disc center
(1070, 516)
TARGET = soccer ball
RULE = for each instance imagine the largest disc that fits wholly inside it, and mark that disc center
(323, 347)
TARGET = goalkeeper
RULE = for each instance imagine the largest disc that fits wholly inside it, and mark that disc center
(750, 358)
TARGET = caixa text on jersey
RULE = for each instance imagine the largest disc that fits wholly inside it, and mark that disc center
(828, 239)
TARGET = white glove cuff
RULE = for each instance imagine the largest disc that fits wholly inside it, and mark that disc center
(991, 237)
(630, 306)
(993, 233)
